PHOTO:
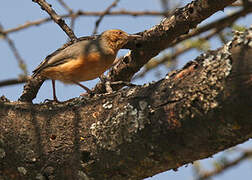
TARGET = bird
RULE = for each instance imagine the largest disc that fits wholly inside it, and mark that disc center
(84, 60)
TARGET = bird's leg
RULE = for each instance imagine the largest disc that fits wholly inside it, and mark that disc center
(84, 87)
(54, 91)
(54, 94)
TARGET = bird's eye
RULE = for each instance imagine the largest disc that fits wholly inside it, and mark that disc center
(119, 32)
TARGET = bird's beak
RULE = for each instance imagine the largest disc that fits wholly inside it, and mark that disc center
(134, 36)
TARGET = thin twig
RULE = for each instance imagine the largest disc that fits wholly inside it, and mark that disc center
(26, 25)
(82, 13)
(56, 18)
(165, 4)
(206, 175)
(106, 11)
(73, 18)
(120, 13)
(223, 22)
(70, 11)
(64, 5)
(9, 82)
(85, 13)
(14, 50)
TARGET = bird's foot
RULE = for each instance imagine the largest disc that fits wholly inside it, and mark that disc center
(52, 101)
(87, 94)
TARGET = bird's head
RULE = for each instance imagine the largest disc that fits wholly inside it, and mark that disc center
(116, 38)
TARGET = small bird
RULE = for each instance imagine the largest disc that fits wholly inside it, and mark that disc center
(84, 60)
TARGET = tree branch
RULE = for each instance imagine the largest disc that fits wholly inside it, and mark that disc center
(227, 165)
(217, 26)
(56, 18)
(155, 62)
(9, 82)
(65, 6)
(85, 13)
(92, 13)
(138, 132)
(15, 52)
(106, 11)
(163, 34)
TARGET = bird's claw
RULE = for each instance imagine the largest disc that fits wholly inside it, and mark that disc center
(51, 101)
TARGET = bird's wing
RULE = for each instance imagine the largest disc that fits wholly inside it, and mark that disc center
(62, 55)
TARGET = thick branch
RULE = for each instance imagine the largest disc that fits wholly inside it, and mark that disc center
(134, 133)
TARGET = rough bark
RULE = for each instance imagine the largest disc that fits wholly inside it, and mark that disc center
(136, 132)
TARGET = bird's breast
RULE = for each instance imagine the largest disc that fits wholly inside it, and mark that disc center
(83, 68)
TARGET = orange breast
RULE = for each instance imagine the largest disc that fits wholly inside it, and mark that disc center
(83, 68)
